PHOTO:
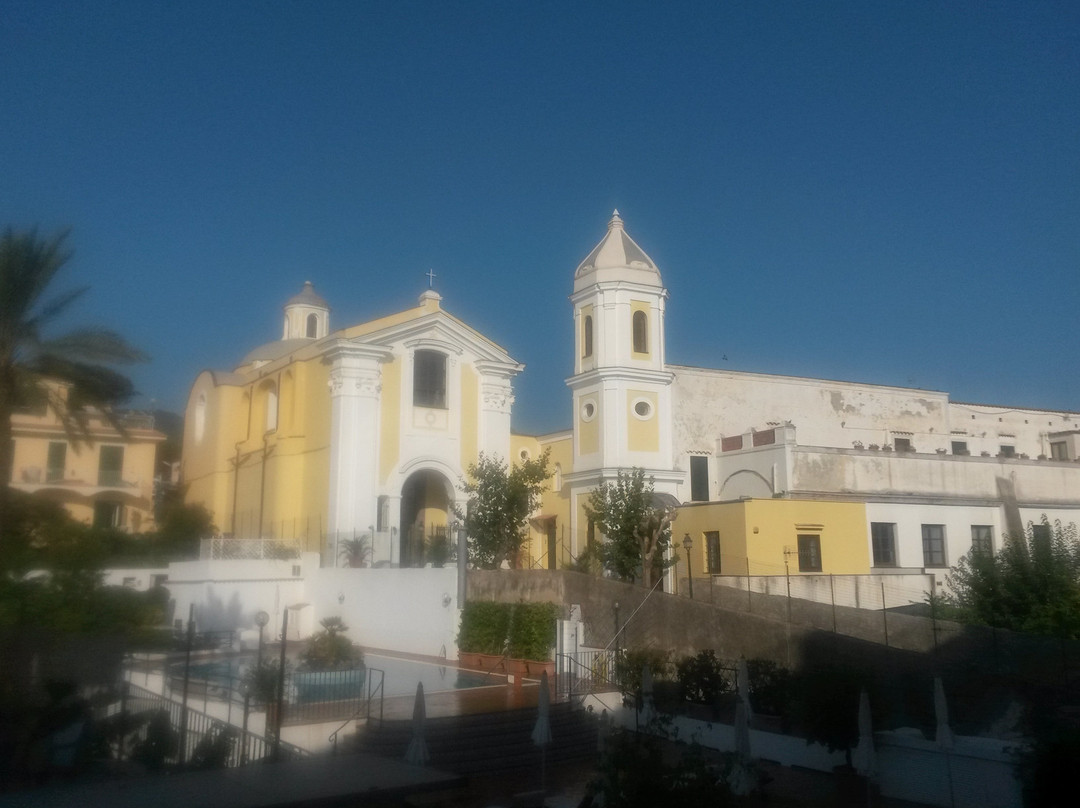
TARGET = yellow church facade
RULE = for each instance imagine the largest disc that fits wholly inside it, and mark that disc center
(363, 433)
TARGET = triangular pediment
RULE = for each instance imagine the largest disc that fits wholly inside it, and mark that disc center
(438, 329)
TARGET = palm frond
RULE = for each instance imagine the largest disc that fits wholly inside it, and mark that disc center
(55, 307)
(93, 345)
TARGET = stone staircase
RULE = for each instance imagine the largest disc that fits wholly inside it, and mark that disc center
(487, 743)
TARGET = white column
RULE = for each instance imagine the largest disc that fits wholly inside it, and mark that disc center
(354, 437)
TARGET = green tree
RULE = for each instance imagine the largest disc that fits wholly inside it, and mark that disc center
(500, 502)
(331, 648)
(636, 527)
(1032, 584)
(71, 373)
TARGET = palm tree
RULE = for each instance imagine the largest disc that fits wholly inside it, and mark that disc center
(356, 552)
(69, 373)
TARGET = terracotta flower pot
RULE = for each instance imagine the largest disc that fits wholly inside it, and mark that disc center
(469, 659)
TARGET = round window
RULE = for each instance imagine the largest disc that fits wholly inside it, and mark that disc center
(643, 408)
(524, 455)
(588, 411)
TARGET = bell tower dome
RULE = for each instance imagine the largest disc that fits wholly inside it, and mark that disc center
(307, 315)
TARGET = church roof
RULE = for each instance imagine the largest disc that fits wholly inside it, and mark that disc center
(270, 351)
(616, 251)
(307, 297)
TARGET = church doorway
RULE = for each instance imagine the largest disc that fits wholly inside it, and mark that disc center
(425, 515)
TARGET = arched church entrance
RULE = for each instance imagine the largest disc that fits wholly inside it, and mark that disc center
(425, 515)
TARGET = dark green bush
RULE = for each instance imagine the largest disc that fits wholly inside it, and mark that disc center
(527, 630)
(331, 648)
(770, 687)
(484, 628)
(702, 679)
(532, 634)
(631, 663)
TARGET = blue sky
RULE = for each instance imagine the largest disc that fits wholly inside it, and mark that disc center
(879, 192)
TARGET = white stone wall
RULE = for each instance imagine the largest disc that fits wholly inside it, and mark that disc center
(713, 403)
(410, 610)
(957, 519)
(1034, 481)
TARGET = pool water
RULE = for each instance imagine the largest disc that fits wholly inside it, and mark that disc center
(401, 677)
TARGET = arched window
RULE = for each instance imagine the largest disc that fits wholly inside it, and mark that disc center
(587, 333)
(429, 379)
(200, 417)
(271, 408)
(312, 326)
(641, 332)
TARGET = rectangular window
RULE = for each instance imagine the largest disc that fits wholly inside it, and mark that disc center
(699, 478)
(111, 465)
(1059, 450)
(712, 552)
(959, 447)
(933, 545)
(54, 469)
(1006, 450)
(982, 540)
(902, 444)
(883, 541)
(429, 379)
(809, 553)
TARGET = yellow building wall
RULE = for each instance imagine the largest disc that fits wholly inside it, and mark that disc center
(642, 435)
(79, 485)
(588, 431)
(754, 535)
(728, 519)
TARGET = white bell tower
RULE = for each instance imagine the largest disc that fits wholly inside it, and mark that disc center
(307, 315)
(621, 385)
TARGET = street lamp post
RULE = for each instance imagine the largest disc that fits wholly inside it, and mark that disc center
(688, 544)
(261, 619)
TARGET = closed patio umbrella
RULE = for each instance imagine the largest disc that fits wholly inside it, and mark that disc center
(541, 734)
(941, 711)
(417, 753)
(865, 757)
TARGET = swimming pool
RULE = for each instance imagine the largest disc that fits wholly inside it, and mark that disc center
(401, 678)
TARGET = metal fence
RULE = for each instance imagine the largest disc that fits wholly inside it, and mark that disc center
(584, 672)
(231, 549)
(192, 728)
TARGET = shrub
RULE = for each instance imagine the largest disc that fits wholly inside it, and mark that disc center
(702, 679)
(532, 634)
(770, 687)
(484, 628)
(331, 649)
(524, 630)
(631, 662)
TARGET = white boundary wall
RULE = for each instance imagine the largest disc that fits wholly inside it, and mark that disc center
(409, 610)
